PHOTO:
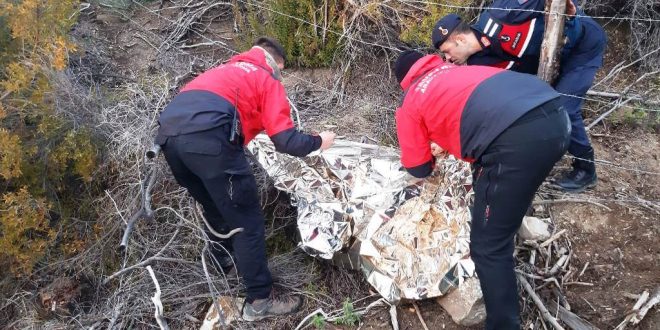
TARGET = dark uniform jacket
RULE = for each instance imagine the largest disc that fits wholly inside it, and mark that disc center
(514, 29)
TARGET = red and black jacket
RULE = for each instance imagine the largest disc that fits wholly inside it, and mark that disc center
(461, 108)
(514, 31)
(245, 83)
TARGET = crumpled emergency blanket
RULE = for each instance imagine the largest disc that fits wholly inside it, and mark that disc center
(358, 207)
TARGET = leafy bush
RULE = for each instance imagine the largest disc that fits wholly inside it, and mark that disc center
(417, 30)
(318, 321)
(306, 45)
(44, 159)
(349, 317)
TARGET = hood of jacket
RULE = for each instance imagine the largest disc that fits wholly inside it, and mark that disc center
(421, 67)
(257, 56)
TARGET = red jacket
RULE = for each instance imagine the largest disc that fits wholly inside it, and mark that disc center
(246, 82)
(461, 108)
(432, 108)
(244, 85)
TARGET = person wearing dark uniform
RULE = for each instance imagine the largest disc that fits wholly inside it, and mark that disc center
(511, 127)
(511, 38)
(202, 134)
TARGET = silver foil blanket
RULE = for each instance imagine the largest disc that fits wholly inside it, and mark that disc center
(358, 207)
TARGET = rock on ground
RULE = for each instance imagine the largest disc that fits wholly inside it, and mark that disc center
(535, 229)
(465, 304)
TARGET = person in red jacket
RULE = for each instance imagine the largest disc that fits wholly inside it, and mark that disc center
(202, 134)
(511, 127)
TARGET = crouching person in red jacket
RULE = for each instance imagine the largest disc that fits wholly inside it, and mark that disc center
(202, 133)
(511, 126)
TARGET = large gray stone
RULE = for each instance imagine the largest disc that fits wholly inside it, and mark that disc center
(465, 304)
(534, 229)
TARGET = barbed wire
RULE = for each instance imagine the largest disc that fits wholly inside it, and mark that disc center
(608, 163)
(399, 50)
(590, 197)
(340, 34)
(224, 46)
(367, 103)
(584, 98)
(650, 20)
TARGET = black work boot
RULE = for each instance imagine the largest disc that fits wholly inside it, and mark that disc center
(583, 175)
(224, 264)
(261, 309)
(222, 257)
(221, 249)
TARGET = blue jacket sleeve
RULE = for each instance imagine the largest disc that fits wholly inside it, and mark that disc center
(573, 29)
(516, 11)
(295, 143)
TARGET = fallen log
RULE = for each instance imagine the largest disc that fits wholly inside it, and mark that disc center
(572, 321)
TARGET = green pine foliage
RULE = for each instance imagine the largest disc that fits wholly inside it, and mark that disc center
(307, 45)
(417, 30)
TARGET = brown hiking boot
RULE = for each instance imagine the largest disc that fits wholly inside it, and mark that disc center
(260, 309)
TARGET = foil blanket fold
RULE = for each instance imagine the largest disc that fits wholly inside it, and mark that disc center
(358, 207)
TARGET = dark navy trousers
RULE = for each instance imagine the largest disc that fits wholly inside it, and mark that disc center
(574, 85)
(505, 179)
(577, 72)
(218, 176)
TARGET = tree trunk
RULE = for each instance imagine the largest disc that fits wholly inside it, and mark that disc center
(553, 39)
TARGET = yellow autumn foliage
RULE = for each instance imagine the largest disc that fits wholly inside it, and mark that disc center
(44, 161)
(25, 230)
(11, 155)
(19, 75)
(76, 148)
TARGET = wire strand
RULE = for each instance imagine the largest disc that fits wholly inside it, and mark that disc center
(602, 162)
(650, 20)
(344, 35)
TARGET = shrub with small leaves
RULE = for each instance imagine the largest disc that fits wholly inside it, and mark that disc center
(417, 30)
(306, 45)
(44, 159)
(25, 230)
(348, 317)
(318, 321)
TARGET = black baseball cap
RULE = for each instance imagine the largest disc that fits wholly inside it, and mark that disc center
(443, 29)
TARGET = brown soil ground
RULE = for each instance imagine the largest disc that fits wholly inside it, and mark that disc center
(620, 245)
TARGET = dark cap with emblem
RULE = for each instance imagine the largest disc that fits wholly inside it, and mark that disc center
(443, 28)
(405, 61)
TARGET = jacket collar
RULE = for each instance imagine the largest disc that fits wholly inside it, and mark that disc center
(258, 56)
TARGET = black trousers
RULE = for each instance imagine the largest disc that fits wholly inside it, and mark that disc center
(506, 178)
(218, 176)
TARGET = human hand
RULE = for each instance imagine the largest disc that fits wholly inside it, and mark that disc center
(327, 139)
(571, 10)
(436, 150)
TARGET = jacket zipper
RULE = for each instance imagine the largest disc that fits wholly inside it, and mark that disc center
(487, 210)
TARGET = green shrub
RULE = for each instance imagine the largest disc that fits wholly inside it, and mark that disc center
(417, 31)
(318, 321)
(306, 45)
(46, 162)
(349, 317)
